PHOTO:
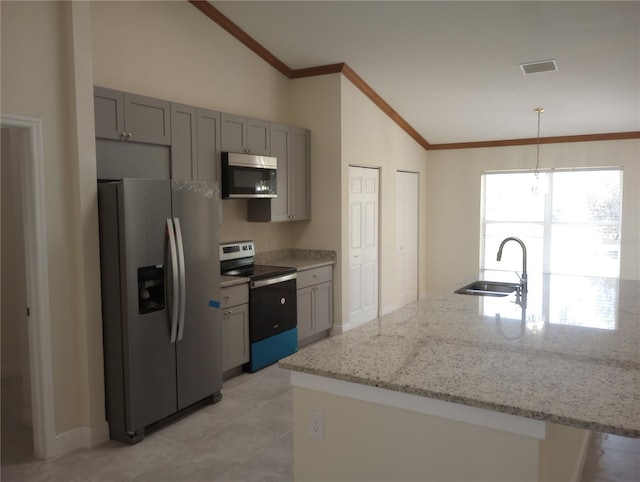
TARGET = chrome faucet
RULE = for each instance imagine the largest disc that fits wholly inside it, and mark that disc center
(523, 278)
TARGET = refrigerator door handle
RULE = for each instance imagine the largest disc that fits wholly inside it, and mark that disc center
(174, 275)
(183, 284)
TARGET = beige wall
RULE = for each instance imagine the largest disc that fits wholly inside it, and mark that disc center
(171, 51)
(453, 200)
(371, 139)
(366, 441)
(35, 80)
(315, 105)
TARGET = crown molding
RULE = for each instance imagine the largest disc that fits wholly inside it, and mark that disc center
(614, 136)
(223, 21)
(216, 15)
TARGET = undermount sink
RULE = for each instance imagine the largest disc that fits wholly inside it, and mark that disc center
(488, 288)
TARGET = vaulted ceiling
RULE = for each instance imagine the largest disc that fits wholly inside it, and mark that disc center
(451, 70)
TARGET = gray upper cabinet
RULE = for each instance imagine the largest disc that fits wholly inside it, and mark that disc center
(299, 169)
(131, 117)
(195, 143)
(280, 136)
(208, 143)
(183, 142)
(241, 134)
(291, 146)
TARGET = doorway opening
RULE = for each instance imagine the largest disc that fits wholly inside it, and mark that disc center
(25, 310)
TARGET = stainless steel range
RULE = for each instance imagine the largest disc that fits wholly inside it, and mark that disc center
(273, 332)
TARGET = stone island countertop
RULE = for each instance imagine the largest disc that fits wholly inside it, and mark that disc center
(568, 354)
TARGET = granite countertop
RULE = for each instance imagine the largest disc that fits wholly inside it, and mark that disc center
(301, 259)
(226, 281)
(570, 354)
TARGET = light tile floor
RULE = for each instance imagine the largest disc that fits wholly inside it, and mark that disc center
(612, 459)
(245, 437)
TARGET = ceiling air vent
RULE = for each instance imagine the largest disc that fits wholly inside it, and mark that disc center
(540, 66)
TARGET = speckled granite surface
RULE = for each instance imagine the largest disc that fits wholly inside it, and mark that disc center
(226, 281)
(301, 259)
(571, 356)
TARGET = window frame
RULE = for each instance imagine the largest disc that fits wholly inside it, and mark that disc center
(547, 223)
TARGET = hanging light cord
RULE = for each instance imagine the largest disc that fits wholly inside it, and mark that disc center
(538, 110)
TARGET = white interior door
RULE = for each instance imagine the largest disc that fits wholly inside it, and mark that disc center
(363, 244)
(407, 237)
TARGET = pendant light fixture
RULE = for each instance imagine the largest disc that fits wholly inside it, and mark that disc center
(539, 185)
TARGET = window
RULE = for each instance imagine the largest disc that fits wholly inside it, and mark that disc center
(568, 219)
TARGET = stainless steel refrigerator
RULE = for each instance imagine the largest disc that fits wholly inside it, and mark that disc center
(160, 270)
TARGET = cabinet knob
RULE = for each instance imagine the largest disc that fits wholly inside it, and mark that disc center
(129, 135)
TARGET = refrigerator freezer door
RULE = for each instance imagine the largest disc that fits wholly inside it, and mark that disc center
(149, 355)
(199, 351)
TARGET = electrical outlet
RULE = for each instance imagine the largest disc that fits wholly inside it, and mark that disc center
(316, 424)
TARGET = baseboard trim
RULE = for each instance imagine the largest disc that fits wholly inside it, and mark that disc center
(389, 308)
(340, 329)
(81, 437)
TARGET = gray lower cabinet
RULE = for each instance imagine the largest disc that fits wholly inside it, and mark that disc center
(195, 143)
(131, 117)
(291, 146)
(235, 326)
(315, 301)
(242, 134)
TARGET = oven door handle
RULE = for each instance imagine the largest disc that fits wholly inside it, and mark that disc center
(271, 281)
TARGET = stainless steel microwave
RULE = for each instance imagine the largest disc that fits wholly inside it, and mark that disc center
(248, 176)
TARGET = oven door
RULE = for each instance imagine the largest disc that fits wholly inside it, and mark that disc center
(272, 308)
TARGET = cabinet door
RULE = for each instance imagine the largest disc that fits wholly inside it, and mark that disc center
(258, 141)
(305, 312)
(147, 119)
(183, 142)
(235, 336)
(208, 145)
(234, 133)
(109, 113)
(323, 307)
(280, 149)
(299, 175)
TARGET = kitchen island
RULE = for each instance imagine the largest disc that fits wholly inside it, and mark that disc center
(459, 387)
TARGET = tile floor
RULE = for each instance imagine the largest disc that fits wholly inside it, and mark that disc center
(245, 437)
(612, 459)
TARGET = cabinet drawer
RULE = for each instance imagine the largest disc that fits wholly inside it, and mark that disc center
(314, 276)
(234, 295)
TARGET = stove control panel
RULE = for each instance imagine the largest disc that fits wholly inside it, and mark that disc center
(236, 250)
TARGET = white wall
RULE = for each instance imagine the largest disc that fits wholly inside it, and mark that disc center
(453, 200)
